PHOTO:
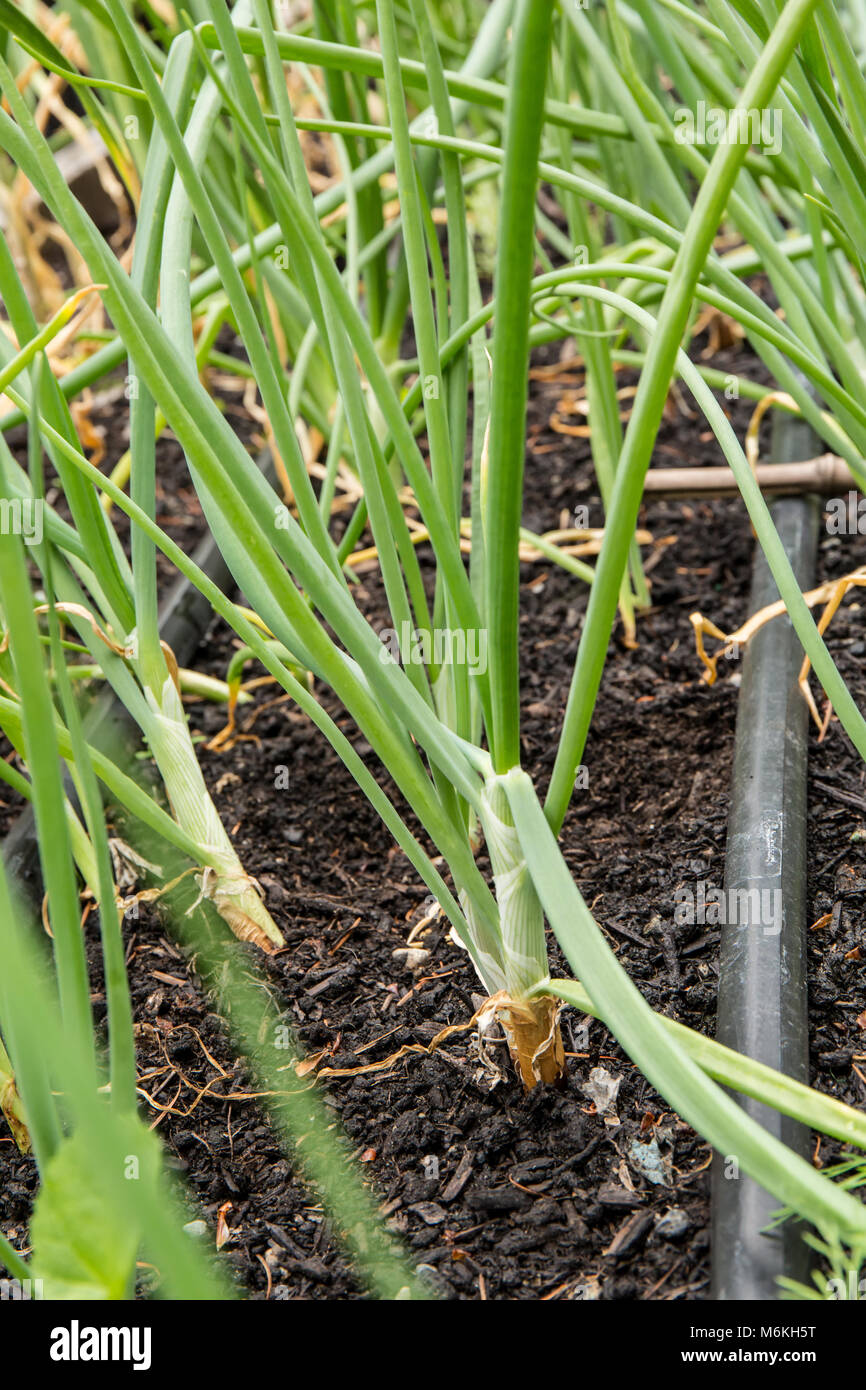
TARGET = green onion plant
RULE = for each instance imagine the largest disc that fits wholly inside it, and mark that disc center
(325, 293)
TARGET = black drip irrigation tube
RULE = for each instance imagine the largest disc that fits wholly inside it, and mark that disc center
(762, 1008)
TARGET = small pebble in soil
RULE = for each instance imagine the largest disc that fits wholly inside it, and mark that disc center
(411, 957)
(673, 1225)
(196, 1229)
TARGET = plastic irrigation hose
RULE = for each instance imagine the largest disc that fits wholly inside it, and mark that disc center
(184, 617)
(762, 984)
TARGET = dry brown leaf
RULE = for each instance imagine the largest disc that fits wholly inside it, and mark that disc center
(223, 1233)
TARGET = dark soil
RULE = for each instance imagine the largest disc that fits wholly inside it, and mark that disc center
(499, 1195)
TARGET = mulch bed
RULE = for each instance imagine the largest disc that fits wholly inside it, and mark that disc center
(496, 1194)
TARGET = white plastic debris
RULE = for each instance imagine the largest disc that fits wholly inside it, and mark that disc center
(649, 1161)
(602, 1088)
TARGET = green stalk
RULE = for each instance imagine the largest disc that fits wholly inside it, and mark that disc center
(744, 1074)
(759, 513)
(37, 344)
(450, 685)
(386, 517)
(122, 788)
(100, 879)
(465, 86)
(502, 504)
(480, 58)
(646, 416)
(650, 1044)
(10, 1103)
(147, 1206)
(129, 794)
(103, 549)
(531, 1027)
(744, 262)
(458, 248)
(343, 94)
(158, 173)
(300, 1116)
(606, 428)
(30, 1066)
(48, 797)
(9, 1256)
